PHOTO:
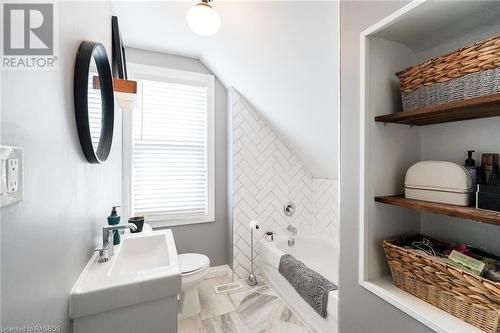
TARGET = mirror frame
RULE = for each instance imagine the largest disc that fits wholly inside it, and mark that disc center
(84, 55)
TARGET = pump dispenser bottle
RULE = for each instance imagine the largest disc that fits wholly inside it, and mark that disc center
(114, 219)
(470, 165)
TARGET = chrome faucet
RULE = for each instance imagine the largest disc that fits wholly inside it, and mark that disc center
(107, 249)
(293, 232)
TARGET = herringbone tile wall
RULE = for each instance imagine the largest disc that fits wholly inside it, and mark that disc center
(325, 219)
(266, 175)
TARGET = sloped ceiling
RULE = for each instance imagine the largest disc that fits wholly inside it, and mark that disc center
(282, 56)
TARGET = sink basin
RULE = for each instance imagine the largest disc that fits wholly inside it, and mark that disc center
(141, 254)
(144, 268)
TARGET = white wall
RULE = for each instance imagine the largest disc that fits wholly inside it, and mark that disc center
(266, 175)
(359, 309)
(281, 55)
(48, 238)
(210, 239)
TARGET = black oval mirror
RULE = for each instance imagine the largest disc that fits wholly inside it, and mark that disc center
(94, 101)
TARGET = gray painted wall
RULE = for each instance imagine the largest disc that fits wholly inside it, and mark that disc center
(48, 238)
(359, 309)
(208, 238)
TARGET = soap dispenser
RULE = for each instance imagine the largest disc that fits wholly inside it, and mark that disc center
(114, 219)
(470, 165)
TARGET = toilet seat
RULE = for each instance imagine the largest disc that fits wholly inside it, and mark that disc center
(191, 263)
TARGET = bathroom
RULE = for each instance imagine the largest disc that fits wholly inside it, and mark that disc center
(185, 166)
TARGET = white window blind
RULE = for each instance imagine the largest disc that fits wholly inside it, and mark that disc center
(170, 159)
(94, 109)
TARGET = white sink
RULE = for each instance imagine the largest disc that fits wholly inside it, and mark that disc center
(144, 268)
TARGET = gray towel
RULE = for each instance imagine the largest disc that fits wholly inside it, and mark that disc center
(310, 285)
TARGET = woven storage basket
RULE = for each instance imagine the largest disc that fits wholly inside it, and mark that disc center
(469, 72)
(468, 297)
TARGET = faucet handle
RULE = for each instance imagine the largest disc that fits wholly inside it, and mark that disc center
(102, 255)
(291, 229)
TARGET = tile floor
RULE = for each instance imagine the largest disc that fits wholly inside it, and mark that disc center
(247, 310)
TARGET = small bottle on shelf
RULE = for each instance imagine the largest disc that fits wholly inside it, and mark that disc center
(470, 165)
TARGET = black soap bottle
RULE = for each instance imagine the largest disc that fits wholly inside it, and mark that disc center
(470, 165)
(114, 219)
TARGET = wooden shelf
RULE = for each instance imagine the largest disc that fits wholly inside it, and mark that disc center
(469, 213)
(119, 85)
(125, 86)
(474, 108)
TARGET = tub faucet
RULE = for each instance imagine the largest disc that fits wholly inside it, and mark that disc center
(293, 232)
(107, 250)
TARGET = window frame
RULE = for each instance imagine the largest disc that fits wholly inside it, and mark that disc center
(137, 72)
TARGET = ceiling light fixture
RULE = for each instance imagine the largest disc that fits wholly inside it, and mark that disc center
(203, 19)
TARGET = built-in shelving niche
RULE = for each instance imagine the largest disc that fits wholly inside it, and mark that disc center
(417, 32)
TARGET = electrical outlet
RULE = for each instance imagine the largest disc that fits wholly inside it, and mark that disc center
(3, 185)
(11, 183)
(12, 186)
(12, 175)
(13, 166)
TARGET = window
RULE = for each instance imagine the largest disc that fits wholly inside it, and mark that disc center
(169, 147)
(94, 107)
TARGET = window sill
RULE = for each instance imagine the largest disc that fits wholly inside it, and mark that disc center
(179, 222)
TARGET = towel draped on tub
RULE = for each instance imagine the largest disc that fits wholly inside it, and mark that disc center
(310, 285)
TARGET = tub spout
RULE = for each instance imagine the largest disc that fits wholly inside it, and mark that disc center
(291, 241)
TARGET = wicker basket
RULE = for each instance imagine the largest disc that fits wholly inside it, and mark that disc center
(470, 298)
(469, 72)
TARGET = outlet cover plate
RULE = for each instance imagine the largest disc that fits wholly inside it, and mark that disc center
(11, 180)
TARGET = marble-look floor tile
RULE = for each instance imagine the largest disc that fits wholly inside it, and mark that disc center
(257, 310)
(262, 312)
(281, 326)
(218, 271)
(265, 289)
(238, 295)
(213, 304)
(191, 324)
(226, 278)
(281, 312)
(288, 316)
(227, 323)
(260, 284)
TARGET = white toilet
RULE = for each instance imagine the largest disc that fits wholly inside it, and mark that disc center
(194, 268)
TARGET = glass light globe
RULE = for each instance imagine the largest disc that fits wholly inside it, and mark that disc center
(203, 19)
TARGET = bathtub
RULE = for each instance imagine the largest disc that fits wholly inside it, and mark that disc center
(319, 254)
